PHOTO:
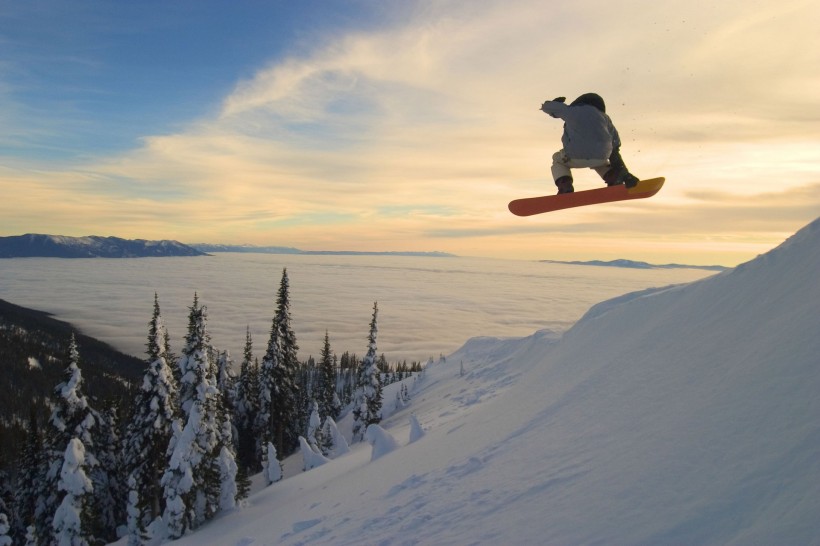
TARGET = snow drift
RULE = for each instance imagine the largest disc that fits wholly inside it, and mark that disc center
(685, 415)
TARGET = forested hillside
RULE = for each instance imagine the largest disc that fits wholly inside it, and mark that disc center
(164, 454)
(33, 353)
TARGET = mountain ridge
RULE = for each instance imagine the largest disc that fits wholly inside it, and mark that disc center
(36, 245)
(632, 264)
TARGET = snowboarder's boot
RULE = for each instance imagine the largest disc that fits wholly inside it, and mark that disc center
(616, 177)
(564, 185)
(630, 180)
(612, 178)
(618, 173)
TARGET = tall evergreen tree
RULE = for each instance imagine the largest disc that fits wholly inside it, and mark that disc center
(199, 469)
(367, 405)
(290, 411)
(247, 408)
(71, 418)
(326, 393)
(279, 412)
(149, 432)
(159, 341)
(195, 362)
(270, 372)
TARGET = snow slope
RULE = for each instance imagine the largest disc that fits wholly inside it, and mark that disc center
(684, 415)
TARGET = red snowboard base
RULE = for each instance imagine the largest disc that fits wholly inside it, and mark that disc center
(549, 203)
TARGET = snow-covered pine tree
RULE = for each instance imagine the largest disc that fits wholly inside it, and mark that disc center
(195, 477)
(71, 523)
(278, 418)
(367, 401)
(228, 489)
(246, 409)
(225, 382)
(289, 410)
(159, 341)
(311, 456)
(416, 430)
(195, 360)
(149, 431)
(265, 427)
(326, 393)
(71, 417)
(333, 443)
(306, 379)
(180, 482)
(314, 432)
(382, 441)
(272, 468)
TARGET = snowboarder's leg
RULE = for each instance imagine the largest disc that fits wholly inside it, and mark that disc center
(560, 165)
(561, 172)
(617, 173)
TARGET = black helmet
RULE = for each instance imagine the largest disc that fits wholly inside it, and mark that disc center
(592, 99)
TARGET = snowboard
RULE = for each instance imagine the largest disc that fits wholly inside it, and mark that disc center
(549, 203)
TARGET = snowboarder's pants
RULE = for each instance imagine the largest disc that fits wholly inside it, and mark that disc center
(561, 165)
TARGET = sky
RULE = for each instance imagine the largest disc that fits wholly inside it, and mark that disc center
(408, 125)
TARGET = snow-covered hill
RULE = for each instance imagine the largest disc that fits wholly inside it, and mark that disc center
(684, 415)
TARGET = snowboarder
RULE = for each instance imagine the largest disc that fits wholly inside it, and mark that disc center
(590, 140)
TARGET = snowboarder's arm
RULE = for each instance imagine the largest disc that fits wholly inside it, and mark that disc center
(555, 107)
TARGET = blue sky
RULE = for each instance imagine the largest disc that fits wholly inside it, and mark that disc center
(407, 125)
(109, 73)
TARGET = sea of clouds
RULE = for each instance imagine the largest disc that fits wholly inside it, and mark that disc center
(428, 306)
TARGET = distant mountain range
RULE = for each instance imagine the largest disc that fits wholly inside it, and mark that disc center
(34, 245)
(57, 246)
(211, 248)
(640, 265)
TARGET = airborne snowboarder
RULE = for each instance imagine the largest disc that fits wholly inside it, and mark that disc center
(590, 140)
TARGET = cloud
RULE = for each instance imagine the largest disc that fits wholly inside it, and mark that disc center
(417, 134)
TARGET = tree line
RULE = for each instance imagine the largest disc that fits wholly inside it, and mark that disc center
(193, 434)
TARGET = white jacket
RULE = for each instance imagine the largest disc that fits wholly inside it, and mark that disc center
(588, 132)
